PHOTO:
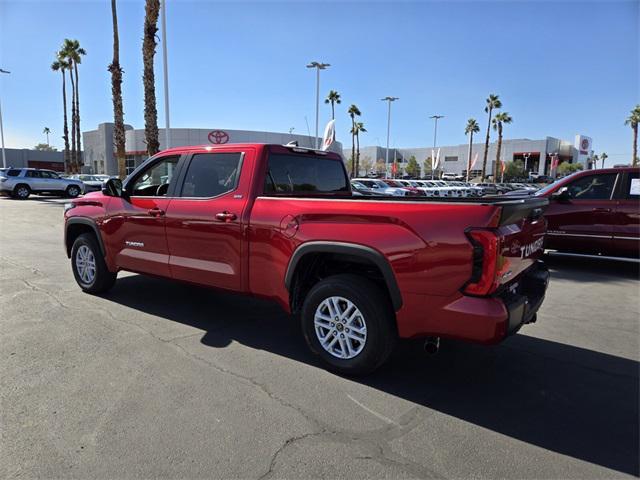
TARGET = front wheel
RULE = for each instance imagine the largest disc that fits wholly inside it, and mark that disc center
(348, 321)
(89, 267)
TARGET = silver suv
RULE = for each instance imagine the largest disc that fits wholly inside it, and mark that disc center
(22, 182)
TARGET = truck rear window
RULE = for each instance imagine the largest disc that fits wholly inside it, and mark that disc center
(305, 174)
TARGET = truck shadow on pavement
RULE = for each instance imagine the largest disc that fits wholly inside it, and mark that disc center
(566, 399)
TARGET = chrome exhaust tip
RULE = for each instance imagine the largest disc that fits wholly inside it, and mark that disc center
(432, 345)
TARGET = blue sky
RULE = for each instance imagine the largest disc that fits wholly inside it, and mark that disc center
(560, 68)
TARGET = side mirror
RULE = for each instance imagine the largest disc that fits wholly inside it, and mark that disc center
(562, 195)
(112, 188)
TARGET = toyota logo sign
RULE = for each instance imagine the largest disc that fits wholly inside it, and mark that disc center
(218, 137)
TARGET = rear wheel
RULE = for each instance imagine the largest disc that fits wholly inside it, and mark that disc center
(348, 321)
(21, 192)
(89, 267)
(72, 191)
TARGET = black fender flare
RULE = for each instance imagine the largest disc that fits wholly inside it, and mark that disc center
(88, 222)
(352, 249)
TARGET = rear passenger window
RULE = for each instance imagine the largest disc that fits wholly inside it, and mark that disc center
(304, 174)
(33, 174)
(632, 188)
(212, 174)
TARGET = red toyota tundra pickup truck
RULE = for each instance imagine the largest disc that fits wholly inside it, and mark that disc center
(280, 222)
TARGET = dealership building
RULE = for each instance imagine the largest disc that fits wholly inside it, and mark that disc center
(99, 155)
(535, 154)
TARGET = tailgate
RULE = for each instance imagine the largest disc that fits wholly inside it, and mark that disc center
(521, 231)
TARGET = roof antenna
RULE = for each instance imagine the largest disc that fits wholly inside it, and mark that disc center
(292, 143)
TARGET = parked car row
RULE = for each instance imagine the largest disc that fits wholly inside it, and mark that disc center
(437, 188)
(20, 183)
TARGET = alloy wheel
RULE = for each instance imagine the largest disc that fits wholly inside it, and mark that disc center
(340, 327)
(86, 264)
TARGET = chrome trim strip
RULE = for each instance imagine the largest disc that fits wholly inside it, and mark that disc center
(578, 235)
(555, 253)
(626, 238)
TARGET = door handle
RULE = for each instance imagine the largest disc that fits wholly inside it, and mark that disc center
(601, 209)
(225, 216)
(156, 212)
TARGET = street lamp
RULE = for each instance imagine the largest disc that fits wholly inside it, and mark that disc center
(4, 158)
(435, 134)
(318, 66)
(166, 73)
(388, 100)
(526, 159)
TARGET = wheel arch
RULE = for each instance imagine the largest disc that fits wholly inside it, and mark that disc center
(363, 253)
(76, 226)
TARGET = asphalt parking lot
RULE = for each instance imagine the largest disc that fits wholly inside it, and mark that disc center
(160, 379)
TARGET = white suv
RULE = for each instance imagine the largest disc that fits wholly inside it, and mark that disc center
(22, 182)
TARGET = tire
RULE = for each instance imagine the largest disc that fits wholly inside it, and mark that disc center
(73, 191)
(376, 314)
(85, 251)
(21, 191)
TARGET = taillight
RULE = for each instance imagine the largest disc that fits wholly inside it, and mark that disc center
(486, 254)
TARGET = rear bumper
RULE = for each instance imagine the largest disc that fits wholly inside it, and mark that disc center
(524, 299)
(485, 320)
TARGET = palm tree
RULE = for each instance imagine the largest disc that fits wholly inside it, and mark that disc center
(499, 120)
(493, 102)
(64, 54)
(60, 65)
(152, 9)
(116, 94)
(47, 131)
(358, 128)
(471, 128)
(353, 112)
(595, 159)
(633, 121)
(73, 54)
(603, 157)
(76, 53)
(333, 97)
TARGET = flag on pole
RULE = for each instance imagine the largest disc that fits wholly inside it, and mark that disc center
(475, 159)
(555, 160)
(329, 135)
(502, 166)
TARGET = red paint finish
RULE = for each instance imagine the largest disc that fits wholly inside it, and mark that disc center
(607, 226)
(244, 241)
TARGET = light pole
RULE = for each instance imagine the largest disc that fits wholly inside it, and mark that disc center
(318, 66)
(388, 100)
(526, 159)
(166, 73)
(435, 136)
(4, 158)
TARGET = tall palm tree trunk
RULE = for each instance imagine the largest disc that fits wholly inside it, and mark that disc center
(498, 149)
(486, 148)
(357, 154)
(65, 128)
(634, 160)
(73, 122)
(469, 156)
(152, 9)
(116, 94)
(353, 146)
(333, 111)
(78, 131)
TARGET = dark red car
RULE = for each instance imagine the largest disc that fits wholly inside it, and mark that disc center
(280, 222)
(595, 212)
